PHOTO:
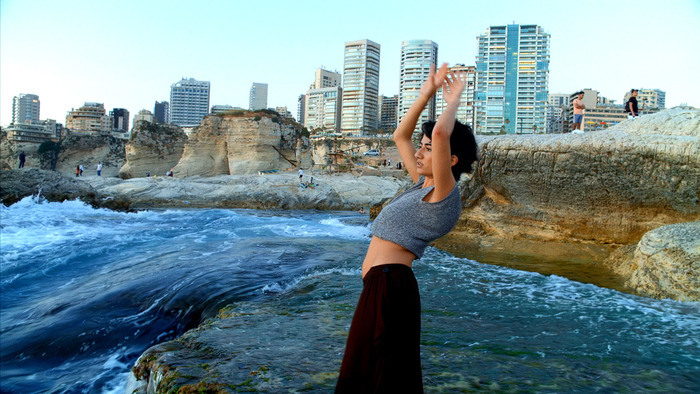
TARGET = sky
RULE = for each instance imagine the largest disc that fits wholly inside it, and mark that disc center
(127, 54)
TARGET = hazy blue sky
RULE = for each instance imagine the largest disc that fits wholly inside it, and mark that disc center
(127, 53)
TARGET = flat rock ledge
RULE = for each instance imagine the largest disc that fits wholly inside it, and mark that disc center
(272, 191)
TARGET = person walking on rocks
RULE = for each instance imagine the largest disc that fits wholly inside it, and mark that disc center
(99, 169)
(301, 174)
(22, 159)
(81, 170)
(578, 112)
(382, 353)
(77, 171)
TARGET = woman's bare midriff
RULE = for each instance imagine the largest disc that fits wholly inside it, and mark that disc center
(382, 252)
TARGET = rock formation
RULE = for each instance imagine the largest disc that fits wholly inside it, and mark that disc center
(608, 187)
(89, 150)
(664, 264)
(241, 142)
(153, 149)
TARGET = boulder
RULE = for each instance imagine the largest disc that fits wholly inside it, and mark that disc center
(666, 263)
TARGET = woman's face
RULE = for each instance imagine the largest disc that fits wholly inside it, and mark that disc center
(424, 157)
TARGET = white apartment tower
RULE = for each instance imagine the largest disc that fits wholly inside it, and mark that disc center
(258, 96)
(465, 112)
(417, 56)
(512, 79)
(189, 102)
(322, 105)
(25, 108)
(360, 103)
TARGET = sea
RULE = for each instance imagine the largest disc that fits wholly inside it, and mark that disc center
(84, 292)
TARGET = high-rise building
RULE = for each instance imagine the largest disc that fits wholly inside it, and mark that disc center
(322, 109)
(322, 102)
(161, 111)
(301, 108)
(25, 108)
(388, 114)
(512, 79)
(326, 79)
(557, 107)
(189, 102)
(90, 118)
(258, 96)
(465, 112)
(120, 119)
(360, 104)
(417, 56)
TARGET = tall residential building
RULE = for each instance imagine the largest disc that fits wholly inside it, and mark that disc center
(557, 105)
(512, 78)
(189, 102)
(90, 118)
(25, 108)
(465, 112)
(417, 56)
(258, 96)
(388, 115)
(360, 104)
(161, 111)
(120, 119)
(301, 108)
(326, 79)
(322, 109)
(322, 102)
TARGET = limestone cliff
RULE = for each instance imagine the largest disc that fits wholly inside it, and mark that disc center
(153, 149)
(72, 150)
(243, 142)
(609, 186)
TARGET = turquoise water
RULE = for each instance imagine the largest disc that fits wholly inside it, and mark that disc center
(84, 292)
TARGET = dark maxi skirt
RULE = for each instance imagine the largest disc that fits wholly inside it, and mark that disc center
(382, 354)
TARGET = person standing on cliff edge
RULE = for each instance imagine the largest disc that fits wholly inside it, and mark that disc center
(382, 354)
(22, 159)
(631, 107)
(578, 112)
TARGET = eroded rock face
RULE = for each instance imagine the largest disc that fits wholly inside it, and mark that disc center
(88, 150)
(154, 149)
(610, 186)
(241, 144)
(667, 263)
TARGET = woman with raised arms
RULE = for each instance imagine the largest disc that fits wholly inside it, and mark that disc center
(383, 347)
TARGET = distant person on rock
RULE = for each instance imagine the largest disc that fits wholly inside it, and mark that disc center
(99, 169)
(631, 106)
(77, 170)
(578, 112)
(81, 170)
(22, 158)
(382, 354)
(301, 175)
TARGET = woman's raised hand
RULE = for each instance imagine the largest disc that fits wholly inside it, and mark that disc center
(435, 80)
(452, 86)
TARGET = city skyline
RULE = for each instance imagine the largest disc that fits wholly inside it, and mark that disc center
(67, 64)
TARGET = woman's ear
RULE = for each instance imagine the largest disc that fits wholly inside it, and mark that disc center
(454, 159)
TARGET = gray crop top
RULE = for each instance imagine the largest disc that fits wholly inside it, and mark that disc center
(413, 223)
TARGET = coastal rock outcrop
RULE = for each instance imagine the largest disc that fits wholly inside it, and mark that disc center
(153, 149)
(90, 150)
(242, 142)
(51, 185)
(664, 264)
(606, 187)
